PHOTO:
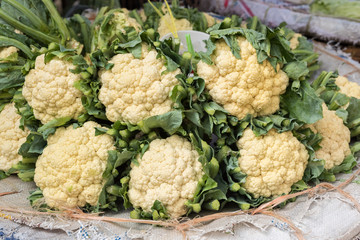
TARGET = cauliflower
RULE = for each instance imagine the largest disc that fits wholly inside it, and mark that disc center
(181, 24)
(11, 137)
(351, 89)
(49, 90)
(69, 172)
(273, 163)
(169, 172)
(210, 19)
(294, 41)
(122, 20)
(243, 85)
(142, 14)
(7, 51)
(134, 89)
(335, 138)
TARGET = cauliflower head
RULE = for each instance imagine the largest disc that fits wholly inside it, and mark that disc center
(122, 20)
(69, 172)
(181, 24)
(273, 163)
(134, 89)
(335, 138)
(169, 172)
(243, 85)
(294, 41)
(210, 19)
(11, 137)
(7, 51)
(49, 90)
(351, 89)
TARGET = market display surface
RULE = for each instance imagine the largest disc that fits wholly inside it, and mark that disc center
(103, 120)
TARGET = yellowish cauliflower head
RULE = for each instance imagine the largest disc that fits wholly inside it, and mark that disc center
(11, 137)
(294, 41)
(134, 89)
(49, 90)
(335, 138)
(243, 85)
(169, 172)
(273, 163)
(210, 19)
(351, 89)
(69, 172)
(165, 21)
(142, 14)
(7, 51)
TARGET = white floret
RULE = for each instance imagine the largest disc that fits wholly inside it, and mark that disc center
(69, 172)
(294, 41)
(351, 89)
(335, 138)
(135, 89)
(11, 137)
(243, 86)
(7, 52)
(166, 22)
(49, 90)
(273, 163)
(169, 172)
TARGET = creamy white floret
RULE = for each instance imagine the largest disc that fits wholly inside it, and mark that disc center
(135, 89)
(11, 137)
(169, 172)
(69, 172)
(243, 86)
(335, 138)
(273, 162)
(49, 90)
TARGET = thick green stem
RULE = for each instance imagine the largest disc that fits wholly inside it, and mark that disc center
(27, 176)
(114, 190)
(235, 187)
(137, 17)
(355, 132)
(135, 214)
(84, 32)
(100, 14)
(354, 123)
(303, 52)
(214, 167)
(38, 35)
(35, 20)
(244, 206)
(321, 80)
(10, 67)
(64, 31)
(226, 23)
(190, 45)
(213, 205)
(254, 23)
(29, 160)
(355, 148)
(151, 34)
(196, 207)
(310, 58)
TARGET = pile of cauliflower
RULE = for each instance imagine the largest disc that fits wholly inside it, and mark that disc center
(73, 168)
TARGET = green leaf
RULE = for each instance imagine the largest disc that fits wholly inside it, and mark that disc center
(314, 169)
(303, 105)
(54, 123)
(3, 175)
(346, 166)
(170, 122)
(296, 70)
